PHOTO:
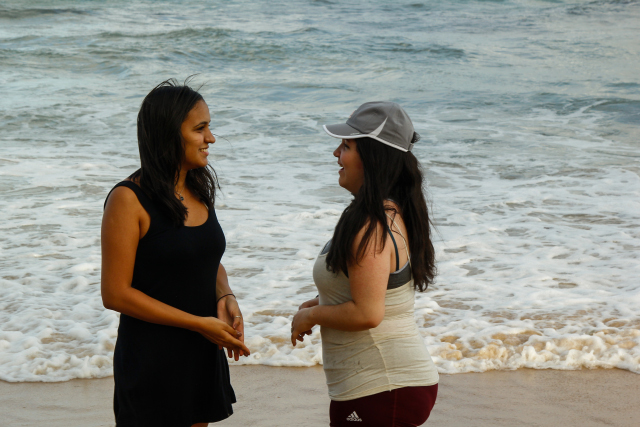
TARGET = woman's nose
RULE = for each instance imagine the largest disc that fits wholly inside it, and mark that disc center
(210, 138)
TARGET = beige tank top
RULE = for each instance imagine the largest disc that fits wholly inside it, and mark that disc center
(390, 356)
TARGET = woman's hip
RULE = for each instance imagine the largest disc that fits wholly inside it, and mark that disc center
(402, 407)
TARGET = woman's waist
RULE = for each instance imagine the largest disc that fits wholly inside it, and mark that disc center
(194, 298)
(396, 300)
(392, 327)
(139, 332)
(391, 354)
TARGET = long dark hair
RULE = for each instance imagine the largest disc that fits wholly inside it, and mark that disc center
(162, 152)
(388, 174)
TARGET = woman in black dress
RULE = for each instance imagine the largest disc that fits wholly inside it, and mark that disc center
(161, 251)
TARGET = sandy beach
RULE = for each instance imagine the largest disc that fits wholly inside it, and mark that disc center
(273, 397)
(528, 113)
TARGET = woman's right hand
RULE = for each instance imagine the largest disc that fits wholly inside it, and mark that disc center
(310, 303)
(220, 333)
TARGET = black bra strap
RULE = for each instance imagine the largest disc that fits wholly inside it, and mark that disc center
(396, 247)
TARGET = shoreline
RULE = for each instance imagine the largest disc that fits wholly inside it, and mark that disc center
(281, 396)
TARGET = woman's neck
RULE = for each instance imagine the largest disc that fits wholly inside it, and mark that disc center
(182, 180)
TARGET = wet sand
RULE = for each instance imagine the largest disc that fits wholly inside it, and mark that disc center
(274, 397)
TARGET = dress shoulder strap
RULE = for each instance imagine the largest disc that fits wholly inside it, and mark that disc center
(159, 222)
(144, 200)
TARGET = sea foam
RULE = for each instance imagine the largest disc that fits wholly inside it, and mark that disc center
(528, 113)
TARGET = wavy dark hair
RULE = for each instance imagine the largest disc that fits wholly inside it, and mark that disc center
(389, 174)
(162, 150)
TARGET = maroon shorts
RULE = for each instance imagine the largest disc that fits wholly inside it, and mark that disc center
(402, 407)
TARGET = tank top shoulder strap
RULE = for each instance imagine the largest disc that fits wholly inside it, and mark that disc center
(406, 245)
(395, 245)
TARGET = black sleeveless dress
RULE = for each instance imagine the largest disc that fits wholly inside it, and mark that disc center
(168, 376)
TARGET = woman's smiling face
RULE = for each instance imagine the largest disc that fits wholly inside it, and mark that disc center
(196, 137)
(352, 172)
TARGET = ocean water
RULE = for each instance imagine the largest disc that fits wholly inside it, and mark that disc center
(529, 113)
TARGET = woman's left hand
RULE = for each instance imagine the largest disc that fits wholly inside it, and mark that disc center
(229, 312)
(301, 325)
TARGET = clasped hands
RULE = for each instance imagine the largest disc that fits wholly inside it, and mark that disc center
(229, 313)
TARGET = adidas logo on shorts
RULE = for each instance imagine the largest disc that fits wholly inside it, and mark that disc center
(354, 417)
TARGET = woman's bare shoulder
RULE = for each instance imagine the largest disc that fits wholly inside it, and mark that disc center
(122, 198)
(373, 244)
(392, 209)
(388, 203)
(395, 220)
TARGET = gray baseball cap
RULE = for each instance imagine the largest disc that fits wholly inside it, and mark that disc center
(383, 121)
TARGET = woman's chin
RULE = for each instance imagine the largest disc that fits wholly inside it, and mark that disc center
(200, 165)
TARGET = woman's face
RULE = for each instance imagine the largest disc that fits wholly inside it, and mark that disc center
(352, 172)
(196, 137)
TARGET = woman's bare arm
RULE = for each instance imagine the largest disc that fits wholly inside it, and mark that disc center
(120, 235)
(368, 282)
(228, 308)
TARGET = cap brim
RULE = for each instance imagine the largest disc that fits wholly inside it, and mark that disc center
(343, 131)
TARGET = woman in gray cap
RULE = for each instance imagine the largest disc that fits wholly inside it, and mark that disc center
(379, 371)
